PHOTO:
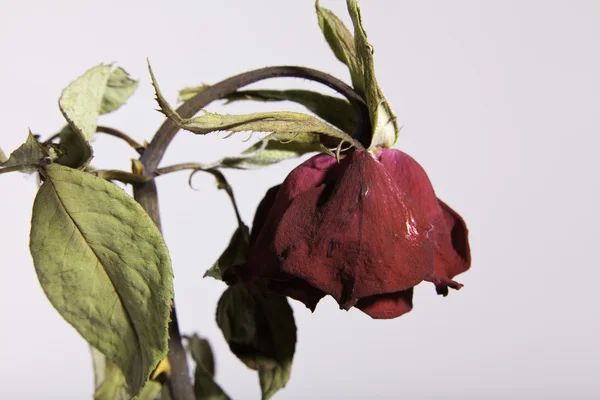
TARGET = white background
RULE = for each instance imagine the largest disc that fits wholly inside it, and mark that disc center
(500, 102)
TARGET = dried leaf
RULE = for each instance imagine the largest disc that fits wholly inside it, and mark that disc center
(204, 385)
(104, 266)
(341, 42)
(28, 155)
(118, 89)
(261, 332)
(110, 384)
(99, 90)
(337, 111)
(285, 126)
(357, 54)
(383, 120)
(235, 253)
(75, 151)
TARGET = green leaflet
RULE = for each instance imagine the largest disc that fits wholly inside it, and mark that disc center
(28, 155)
(104, 266)
(359, 59)
(234, 254)
(204, 385)
(341, 42)
(99, 90)
(285, 126)
(337, 111)
(109, 382)
(118, 89)
(261, 332)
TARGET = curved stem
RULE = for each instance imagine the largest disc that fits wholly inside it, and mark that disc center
(181, 167)
(118, 134)
(179, 383)
(155, 150)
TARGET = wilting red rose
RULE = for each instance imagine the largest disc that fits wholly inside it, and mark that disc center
(365, 230)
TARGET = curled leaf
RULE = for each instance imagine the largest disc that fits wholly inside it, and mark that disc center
(341, 42)
(383, 120)
(2, 158)
(104, 266)
(261, 332)
(81, 101)
(75, 151)
(337, 111)
(284, 126)
(28, 155)
(99, 90)
(356, 52)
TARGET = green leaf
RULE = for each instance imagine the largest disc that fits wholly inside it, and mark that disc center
(261, 332)
(29, 155)
(118, 89)
(235, 253)
(341, 42)
(204, 385)
(285, 126)
(337, 111)
(104, 266)
(383, 120)
(110, 384)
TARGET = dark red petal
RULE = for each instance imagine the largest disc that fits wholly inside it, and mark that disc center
(307, 175)
(449, 232)
(452, 252)
(387, 306)
(412, 181)
(262, 212)
(299, 290)
(356, 237)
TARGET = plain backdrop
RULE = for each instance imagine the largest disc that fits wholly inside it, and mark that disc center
(499, 101)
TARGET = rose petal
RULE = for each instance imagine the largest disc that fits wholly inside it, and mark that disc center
(387, 306)
(355, 237)
(452, 252)
(412, 181)
(449, 232)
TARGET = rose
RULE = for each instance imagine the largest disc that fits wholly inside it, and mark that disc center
(364, 230)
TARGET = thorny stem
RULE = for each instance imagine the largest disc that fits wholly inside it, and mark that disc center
(179, 383)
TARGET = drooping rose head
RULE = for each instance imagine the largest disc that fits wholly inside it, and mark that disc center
(365, 230)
